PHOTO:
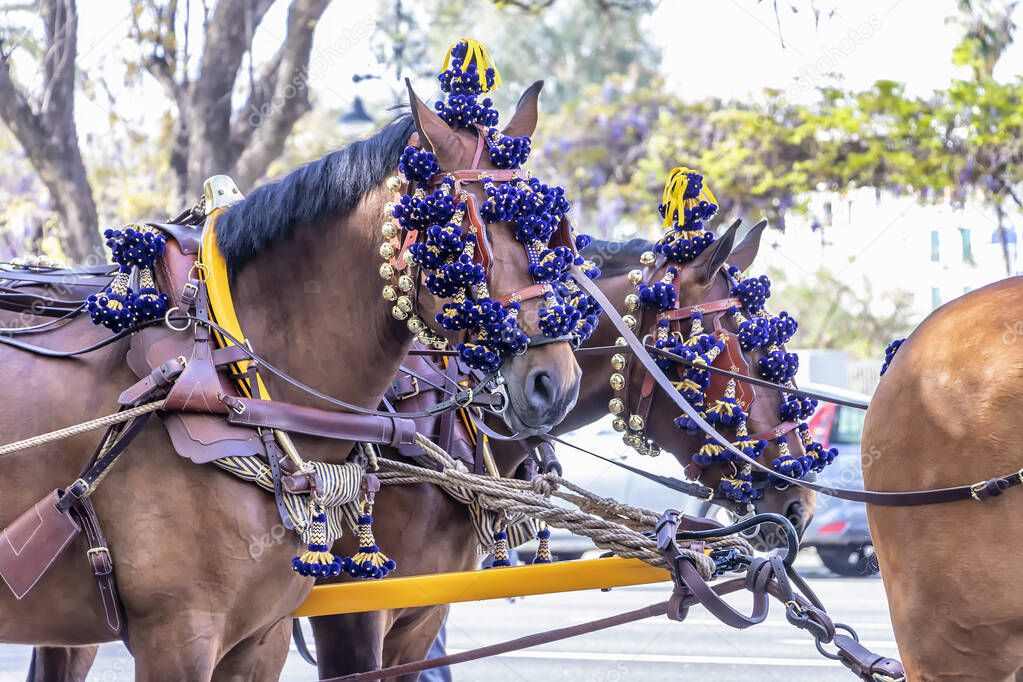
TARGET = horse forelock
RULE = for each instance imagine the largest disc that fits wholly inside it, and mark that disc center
(332, 185)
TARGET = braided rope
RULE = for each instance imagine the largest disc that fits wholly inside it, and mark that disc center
(83, 427)
(612, 525)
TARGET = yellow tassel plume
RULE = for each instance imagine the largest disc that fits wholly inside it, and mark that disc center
(475, 53)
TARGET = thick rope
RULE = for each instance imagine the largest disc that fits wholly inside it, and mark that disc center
(84, 427)
(621, 528)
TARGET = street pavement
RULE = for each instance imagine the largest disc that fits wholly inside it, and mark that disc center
(648, 651)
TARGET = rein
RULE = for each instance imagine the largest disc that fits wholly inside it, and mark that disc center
(979, 491)
(747, 378)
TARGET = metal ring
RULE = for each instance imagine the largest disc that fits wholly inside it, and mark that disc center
(838, 626)
(167, 320)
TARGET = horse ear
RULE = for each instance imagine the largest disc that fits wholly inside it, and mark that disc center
(523, 121)
(434, 133)
(746, 252)
(710, 261)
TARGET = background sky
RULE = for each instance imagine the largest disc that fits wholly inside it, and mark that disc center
(725, 48)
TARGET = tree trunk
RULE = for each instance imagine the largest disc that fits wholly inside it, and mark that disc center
(49, 135)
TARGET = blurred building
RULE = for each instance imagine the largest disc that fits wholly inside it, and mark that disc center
(935, 252)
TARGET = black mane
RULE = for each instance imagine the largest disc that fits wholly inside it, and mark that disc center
(331, 185)
(616, 258)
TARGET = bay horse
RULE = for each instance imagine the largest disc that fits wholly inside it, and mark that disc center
(430, 532)
(199, 604)
(948, 412)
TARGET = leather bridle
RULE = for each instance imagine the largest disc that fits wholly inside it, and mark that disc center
(737, 366)
(474, 223)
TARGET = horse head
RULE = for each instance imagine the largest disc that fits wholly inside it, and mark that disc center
(708, 283)
(537, 366)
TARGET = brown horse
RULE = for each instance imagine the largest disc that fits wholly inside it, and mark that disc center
(428, 532)
(200, 605)
(948, 412)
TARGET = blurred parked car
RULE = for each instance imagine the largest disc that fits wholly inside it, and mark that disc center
(839, 531)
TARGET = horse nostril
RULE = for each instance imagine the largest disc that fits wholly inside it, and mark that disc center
(795, 515)
(541, 390)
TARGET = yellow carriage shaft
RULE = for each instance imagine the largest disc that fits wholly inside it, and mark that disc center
(449, 588)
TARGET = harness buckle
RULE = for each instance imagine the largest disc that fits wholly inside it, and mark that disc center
(80, 488)
(976, 489)
(464, 399)
(414, 383)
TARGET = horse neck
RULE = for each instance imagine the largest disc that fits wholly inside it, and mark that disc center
(311, 306)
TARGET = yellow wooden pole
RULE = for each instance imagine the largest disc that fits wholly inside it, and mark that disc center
(495, 583)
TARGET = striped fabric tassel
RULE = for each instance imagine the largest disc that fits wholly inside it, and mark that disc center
(317, 561)
(369, 561)
(543, 547)
(501, 555)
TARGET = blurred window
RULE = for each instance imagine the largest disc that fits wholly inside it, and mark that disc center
(935, 297)
(964, 233)
(935, 246)
(848, 427)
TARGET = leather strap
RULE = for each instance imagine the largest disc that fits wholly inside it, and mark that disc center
(776, 432)
(712, 307)
(273, 458)
(275, 414)
(979, 491)
(76, 499)
(477, 175)
(524, 294)
(526, 642)
(102, 565)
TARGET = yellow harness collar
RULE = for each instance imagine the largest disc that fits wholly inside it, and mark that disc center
(213, 270)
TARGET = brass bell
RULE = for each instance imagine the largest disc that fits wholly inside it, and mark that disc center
(389, 293)
(617, 381)
(425, 337)
(631, 302)
(616, 406)
(405, 283)
(630, 321)
(389, 209)
(618, 362)
(647, 258)
(635, 276)
(620, 341)
(386, 271)
(389, 230)
(440, 343)
(636, 422)
(386, 251)
(415, 325)
(618, 425)
(393, 183)
(405, 303)
(398, 313)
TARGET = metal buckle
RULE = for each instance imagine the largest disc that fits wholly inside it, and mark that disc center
(975, 490)
(466, 398)
(80, 488)
(98, 550)
(414, 383)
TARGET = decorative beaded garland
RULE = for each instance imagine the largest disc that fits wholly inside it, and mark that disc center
(135, 248)
(889, 354)
(446, 250)
(686, 203)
